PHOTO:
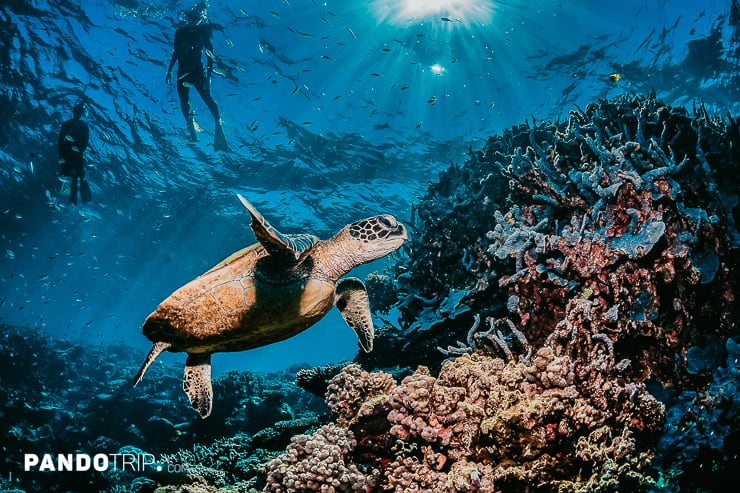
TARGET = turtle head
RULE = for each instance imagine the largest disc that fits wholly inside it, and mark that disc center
(376, 236)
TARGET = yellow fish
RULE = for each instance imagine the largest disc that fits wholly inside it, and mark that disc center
(614, 77)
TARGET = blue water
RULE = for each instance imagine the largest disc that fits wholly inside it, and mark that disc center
(334, 111)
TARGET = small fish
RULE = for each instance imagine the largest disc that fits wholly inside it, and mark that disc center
(69, 138)
(305, 124)
(352, 32)
(244, 13)
(210, 54)
(295, 90)
(274, 14)
(325, 57)
(403, 88)
(182, 77)
(301, 33)
(615, 77)
(220, 72)
(229, 42)
(446, 19)
(386, 50)
(187, 84)
(376, 74)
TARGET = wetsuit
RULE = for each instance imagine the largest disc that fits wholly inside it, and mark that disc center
(190, 41)
(73, 139)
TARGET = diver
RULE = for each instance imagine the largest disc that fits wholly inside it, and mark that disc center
(73, 139)
(191, 40)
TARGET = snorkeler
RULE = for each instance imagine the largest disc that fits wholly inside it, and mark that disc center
(73, 139)
(191, 40)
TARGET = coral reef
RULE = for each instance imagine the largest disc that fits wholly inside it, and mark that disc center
(564, 268)
(619, 221)
(555, 283)
(565, 418)
(315, 380)
(700, 447)
(62, 396)
(317, 463)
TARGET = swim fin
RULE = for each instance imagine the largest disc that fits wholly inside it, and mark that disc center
(73, 190)
(85, 193)
(191, 131)
(219, 140)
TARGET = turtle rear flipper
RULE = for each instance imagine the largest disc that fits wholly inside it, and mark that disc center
(350, 298)
(197, 383)
(155, 351)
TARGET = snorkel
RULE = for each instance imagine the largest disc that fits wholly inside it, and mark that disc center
(195, 15)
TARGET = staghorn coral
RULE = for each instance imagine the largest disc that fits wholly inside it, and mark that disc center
(630, 205)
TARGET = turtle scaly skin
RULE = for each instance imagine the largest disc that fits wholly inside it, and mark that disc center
(268, 292)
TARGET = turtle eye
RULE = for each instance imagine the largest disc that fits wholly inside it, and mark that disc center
(386, 221)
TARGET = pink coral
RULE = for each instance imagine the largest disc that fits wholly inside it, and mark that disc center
(565, 418)
(354, 393)
(317, 462)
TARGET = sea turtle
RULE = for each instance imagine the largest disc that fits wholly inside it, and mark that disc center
(268, 292)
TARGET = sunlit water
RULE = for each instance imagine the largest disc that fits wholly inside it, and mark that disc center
(334, 111)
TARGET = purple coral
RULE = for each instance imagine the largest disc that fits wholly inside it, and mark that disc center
(629, 206)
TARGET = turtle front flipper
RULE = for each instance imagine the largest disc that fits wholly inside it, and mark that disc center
(292, 246)
(197, 383)
(350, 298)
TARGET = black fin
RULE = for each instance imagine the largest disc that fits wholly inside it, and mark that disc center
(85, 193)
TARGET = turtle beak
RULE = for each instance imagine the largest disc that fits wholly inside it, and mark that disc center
(396, 230)
(400, 232)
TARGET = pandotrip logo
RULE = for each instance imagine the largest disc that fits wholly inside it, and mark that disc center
(131, 462)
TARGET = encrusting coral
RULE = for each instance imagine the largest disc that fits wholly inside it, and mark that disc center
(317, 462)
(486, 424)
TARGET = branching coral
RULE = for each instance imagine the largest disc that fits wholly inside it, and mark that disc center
(620, 221)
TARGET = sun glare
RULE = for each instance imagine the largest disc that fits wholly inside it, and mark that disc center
(437, 69)
(462, 11)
